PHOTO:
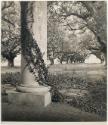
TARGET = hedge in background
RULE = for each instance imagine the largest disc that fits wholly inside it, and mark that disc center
(11, 78)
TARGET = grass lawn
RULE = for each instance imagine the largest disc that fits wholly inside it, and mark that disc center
(5, 69)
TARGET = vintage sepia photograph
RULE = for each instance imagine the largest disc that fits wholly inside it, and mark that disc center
(54, 61)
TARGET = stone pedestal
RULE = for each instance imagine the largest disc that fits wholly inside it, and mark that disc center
(40, 98)
(30, 95)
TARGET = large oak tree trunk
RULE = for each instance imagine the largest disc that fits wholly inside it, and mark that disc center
(11, 62)
(105, 59)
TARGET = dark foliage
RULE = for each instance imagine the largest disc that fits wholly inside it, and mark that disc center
(10, 78)
(65, 81)
(95, 101)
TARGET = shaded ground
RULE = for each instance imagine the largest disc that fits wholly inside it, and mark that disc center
(64, 112)
(53, 112)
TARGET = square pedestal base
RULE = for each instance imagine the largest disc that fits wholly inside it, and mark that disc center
(35, 99)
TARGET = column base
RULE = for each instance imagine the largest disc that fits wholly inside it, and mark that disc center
(33, 88)
(39, 97)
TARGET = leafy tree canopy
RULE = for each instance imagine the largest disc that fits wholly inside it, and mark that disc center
(83, 23)
(10, 29)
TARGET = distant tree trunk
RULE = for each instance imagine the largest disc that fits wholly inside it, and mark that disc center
(52, 61)
(103, 50)
(105, 59)
(105, 55)
(11, 62)
(51, 58)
